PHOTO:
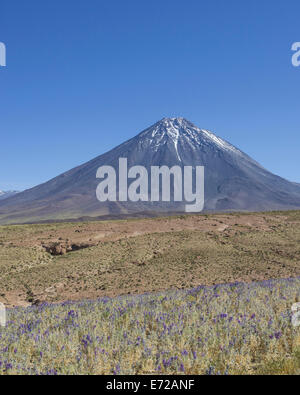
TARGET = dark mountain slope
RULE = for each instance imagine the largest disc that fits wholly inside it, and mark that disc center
(233, 181)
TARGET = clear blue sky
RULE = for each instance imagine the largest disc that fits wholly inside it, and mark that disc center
(84, 76)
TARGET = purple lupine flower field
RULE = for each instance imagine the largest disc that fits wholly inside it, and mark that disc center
(215, 330)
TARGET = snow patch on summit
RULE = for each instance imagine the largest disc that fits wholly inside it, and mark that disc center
(172, 129)
(179, 130)
(220, 142)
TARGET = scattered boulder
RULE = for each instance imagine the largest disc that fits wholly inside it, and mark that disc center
(62, 248)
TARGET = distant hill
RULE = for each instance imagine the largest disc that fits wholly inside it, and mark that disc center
(6, 194)
(233, 180)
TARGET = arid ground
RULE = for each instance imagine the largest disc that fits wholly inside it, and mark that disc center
(87, 260)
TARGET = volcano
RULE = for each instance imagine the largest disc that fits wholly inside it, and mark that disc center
(233, 180)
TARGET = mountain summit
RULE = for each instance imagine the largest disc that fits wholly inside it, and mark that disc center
(233, 180)
(183, 133)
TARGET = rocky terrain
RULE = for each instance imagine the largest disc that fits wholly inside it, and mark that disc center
(86, 260)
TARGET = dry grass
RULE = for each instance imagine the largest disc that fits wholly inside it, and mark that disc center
(151, 255)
